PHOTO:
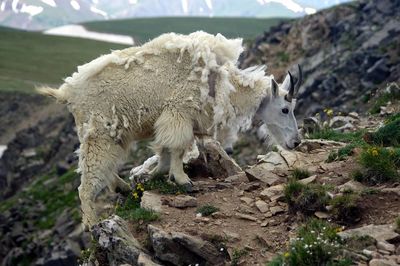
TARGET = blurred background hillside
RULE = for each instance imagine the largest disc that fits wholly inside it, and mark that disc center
(349, 51)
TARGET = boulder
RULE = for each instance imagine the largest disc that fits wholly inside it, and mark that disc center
(116, 242)
(151, 201)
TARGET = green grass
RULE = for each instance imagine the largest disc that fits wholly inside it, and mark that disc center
(144, 29)
(54, 193)
(30, 58)
(162, 185)
(207, 210)
(383, 100)
(345, 208)
(379, 165)
(237, 254)
(298, 173)
(330, 134)
(317, 243)
(305, 198)
(389, 134)
(130, 209)
(397, 223)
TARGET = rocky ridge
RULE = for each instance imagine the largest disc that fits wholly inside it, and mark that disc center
(347, 53)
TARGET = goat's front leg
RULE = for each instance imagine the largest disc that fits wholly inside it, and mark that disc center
(176, 172)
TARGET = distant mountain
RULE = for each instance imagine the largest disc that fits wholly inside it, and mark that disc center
(45, 14)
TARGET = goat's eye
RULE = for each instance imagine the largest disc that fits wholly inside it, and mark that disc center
(285, 110)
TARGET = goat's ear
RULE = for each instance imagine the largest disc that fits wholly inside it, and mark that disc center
(274, 88)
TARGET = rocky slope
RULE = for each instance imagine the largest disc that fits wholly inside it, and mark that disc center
(39, 208)
(347, 53)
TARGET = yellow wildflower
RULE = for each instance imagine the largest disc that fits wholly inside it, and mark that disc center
(339, 229)
(287, 254)
(135, 195)
(329, 112)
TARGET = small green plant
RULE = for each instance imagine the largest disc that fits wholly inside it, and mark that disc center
(298, 173)
(236, 255)
(317, 243)
(342, 153)
(384, 99)
(389, 134)
(207, 210)
(379, 165)
(359, 242)
(330, 134)
(130, 209)
(346, 209)
(283, 56)
(162, 185)
(305, 198)
(397, 222)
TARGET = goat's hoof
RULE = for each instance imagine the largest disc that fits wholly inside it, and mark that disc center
(188, 187)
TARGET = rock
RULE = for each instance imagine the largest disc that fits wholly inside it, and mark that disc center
(245, 217)
(259, 173)
(382, 262)
(385, 246)
(238, 178)
(168, 250)
(308, 180)
(151, 201)
(246, 200)
(354, 115)
(265, 223)
(262, 206)
(200, 247)
(231, 235)
(116, 242)
(182, 249)
(218, 161)
(378, 72)
(383, 232)
(276, 209)
(352, 185)
(145, 260)
(321, 215)
(182, 201)
(249, 186)
(273, 193)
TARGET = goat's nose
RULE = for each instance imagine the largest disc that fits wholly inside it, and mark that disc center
(296, 143)
(229, 151)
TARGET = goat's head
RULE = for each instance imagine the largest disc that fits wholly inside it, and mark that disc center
(277, 111)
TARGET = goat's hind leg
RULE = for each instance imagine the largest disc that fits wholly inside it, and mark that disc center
(98, 162)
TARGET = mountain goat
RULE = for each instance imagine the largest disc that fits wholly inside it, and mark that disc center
(168, 89)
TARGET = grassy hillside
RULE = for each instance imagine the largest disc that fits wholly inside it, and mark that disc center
(27, 58)
(144, 29)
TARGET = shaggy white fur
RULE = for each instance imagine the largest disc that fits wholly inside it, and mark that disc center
(162, 90)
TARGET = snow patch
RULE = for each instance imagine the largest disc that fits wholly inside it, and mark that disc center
(2, 149)
(49, 2)
(98, 11)
(291, 5)
(209, 4)
(185, 6)
(310, 10)
(14, 5)
(133, 2)
(3, 6)
(31, 10)
(80, 32)
(75, 5)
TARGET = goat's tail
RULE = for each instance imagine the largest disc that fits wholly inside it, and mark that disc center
(59, 94)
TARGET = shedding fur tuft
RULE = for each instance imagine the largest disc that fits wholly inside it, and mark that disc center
(59, 94)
